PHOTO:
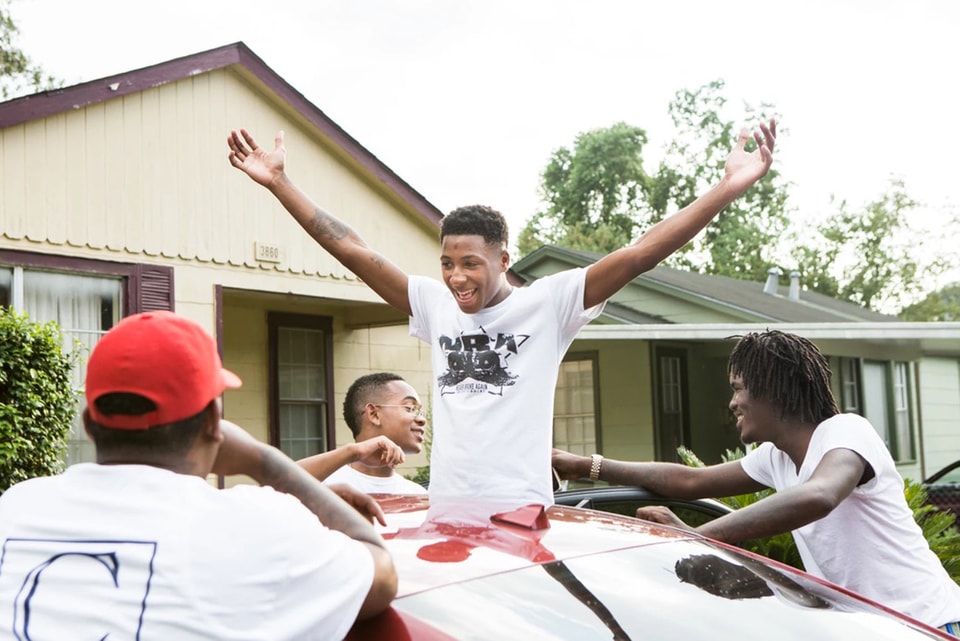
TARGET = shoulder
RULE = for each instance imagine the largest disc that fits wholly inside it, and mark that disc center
(567, 277)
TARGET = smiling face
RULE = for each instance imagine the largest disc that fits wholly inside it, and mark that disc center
(474, 272)
(756, 419)
(396, 421)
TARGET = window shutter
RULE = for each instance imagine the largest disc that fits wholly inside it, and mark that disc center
(153, 289)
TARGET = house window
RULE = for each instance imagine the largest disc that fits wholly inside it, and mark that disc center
(575, 405)
(84, 307)
(901, 411)
(850, 385)
(85, 298)
(301, 384)
(886, 393)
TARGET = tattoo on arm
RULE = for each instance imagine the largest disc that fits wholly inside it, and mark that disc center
(323, 224)
(284, 475)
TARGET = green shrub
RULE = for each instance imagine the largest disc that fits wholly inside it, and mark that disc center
(939, 527)
(37, 398)
(422, 475)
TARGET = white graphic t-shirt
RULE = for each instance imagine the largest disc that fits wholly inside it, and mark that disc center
(494, 377)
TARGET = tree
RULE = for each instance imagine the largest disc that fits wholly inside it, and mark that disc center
(941, 306)
(37, 398)
(18, 74)
(599, 197)
(593, 193)
(869, 256)
(742, 241)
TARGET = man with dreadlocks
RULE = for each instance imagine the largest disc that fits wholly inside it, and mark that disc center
(837, 488)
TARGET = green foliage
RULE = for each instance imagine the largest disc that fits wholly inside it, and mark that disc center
(422, 475)
(37, 399)
(741, 240)
(18, 74)
(939, 306)
(868, 257)
(938, 526)
(592, 192)
(780, 547)
(599, 197)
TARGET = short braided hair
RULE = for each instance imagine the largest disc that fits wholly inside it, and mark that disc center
(787, 370)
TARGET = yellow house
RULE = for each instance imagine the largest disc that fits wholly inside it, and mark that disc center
(116, 197)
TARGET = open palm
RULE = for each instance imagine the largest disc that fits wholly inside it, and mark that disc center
(743, 168)
(247, 156)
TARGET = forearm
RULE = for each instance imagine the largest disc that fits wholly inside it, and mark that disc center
(322, 465)
(332, 233)
(782, 512)
(344, 244)
(676, 230)
(667, 479)
(284, 475)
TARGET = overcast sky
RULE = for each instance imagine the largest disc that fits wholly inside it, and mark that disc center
(466, 99)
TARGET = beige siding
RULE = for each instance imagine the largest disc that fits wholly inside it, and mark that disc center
(145, 176)
(939, 382)
(626, 407)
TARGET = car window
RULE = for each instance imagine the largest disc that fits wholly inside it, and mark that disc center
(692, 516)
(676, 590)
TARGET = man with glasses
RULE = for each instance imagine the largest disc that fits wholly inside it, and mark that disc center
(387, 420)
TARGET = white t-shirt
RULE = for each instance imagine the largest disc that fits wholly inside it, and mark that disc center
(368, 484)
(136, 552)
(494, 377)
(869, 543)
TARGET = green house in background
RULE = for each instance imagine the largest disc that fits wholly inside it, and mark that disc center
(650, 373)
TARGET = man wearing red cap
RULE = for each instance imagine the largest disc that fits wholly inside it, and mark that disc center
(140, 546)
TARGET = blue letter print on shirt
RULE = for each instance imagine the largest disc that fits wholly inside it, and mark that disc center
(105, 584)
(480, 357)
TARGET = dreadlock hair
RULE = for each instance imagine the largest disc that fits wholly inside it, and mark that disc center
(787, 370)
(476, 220)
(360, 393)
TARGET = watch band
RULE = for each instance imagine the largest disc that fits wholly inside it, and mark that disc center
(596, 460)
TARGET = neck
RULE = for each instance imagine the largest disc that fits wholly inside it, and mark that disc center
(382, 472)
(794, 439)
(183, 465)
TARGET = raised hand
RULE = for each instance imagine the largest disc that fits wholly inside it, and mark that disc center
(262, 166)
(742, 168)
(379, 452)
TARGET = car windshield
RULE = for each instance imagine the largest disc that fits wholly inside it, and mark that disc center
(674, 590)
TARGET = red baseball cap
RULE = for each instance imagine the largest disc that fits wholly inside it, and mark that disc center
(162, 356)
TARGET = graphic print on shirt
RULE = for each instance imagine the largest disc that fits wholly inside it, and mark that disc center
(480, 357)
(49, 578)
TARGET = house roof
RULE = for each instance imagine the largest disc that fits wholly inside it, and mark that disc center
(48, 103)
(743, 298)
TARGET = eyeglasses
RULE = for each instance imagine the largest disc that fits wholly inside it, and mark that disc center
(414, 410)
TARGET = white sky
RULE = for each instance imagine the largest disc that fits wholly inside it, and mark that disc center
(467, 99)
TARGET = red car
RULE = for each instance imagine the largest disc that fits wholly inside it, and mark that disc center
(577, 574)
